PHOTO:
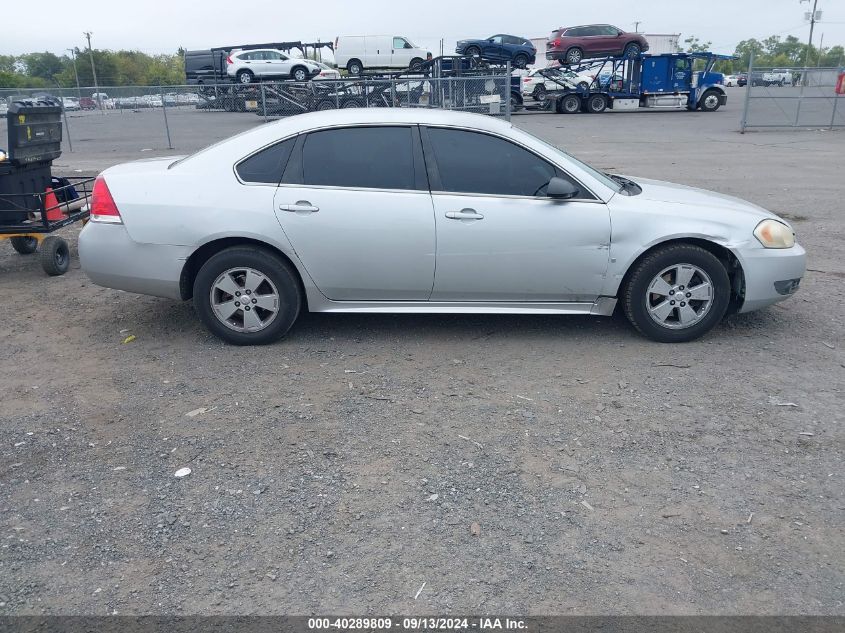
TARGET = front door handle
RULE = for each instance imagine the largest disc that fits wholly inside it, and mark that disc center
(464, 214)
(301, 206)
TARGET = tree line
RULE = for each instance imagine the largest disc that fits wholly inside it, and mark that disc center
(114, 68)
(773, 52)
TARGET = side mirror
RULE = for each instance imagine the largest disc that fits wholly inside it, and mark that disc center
(561, 189)
(491, 40)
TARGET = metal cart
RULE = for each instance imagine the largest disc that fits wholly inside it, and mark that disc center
(28, 220)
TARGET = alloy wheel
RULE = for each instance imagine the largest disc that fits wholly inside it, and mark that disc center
(244, 300)
(679, 296)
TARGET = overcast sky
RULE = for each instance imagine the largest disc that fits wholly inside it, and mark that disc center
(161, 26)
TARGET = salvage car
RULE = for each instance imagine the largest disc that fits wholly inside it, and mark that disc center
(569, 45)
(500, 48)
(464, 214)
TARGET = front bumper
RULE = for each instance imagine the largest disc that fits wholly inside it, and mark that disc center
(112, 259)
(771, 275)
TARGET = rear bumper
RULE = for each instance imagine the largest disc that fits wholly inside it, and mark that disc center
(771, 275)
(112, 259)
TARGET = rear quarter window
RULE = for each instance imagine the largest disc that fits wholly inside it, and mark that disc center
(268, 165)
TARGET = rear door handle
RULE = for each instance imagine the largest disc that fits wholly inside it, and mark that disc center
(301, 206)
(464, 214)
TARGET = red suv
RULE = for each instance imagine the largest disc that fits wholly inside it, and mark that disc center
(569, 45)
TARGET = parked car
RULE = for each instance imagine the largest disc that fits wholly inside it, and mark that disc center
(777, 77)
(731, 80)
(500, 48)
(358, 52)
(519, 226)
(205, 67)
(247, 66)
(741, 79)
(570, 45)
(326, 72)
(87, 103)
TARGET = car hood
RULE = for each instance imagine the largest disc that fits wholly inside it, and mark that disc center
(676, 194)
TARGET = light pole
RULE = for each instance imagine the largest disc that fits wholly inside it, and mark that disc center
(75, 72)
(94, 70)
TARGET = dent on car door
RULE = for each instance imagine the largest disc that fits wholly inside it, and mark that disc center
(499, 238)
(355, 205)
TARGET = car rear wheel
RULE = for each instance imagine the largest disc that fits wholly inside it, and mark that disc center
(247, 295)
(632, 50)
(355, 67)
(574, 55)
(326, 105)
(539, 93)
(520, 61)
(352, 103)
(245, 77)
(677, 293)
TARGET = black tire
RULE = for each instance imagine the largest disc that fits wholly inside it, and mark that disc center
(570, 104)
(299, 73)
(596, 104)
(24, 245)
(269, 264)
(326, 104)
(520, 61)
(635, 295)
(416, 64)
(516, 101)
(54, 256)
(710, 101)
(584, 85)
(352, 103)
(574, 56)
(245, 77)
(473, 51)
(539, 93)
(355, 67)
(632, 50)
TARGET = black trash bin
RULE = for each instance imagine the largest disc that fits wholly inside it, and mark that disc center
(35, 140)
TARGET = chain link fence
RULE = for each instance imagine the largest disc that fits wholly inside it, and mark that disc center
(793, 97)
(169, 109)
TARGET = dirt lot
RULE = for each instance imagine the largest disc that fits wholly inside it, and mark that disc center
(342, 470)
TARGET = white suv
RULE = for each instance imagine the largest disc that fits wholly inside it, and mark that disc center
(266, 63)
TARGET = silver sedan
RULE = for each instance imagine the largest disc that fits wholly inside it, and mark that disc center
(425, 211)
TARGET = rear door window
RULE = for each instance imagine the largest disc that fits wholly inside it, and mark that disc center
(360, 157)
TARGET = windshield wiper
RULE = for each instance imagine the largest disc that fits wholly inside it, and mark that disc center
(629, 186)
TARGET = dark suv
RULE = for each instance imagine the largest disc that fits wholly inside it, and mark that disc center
(500, 48)
(569, 45)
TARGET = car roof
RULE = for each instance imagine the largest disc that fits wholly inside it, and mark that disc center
(578, 26)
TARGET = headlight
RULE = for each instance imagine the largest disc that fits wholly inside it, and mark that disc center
(774, 234)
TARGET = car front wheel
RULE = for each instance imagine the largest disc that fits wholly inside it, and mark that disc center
(245, 77)
(520, 61)
(299, 74)
(247, 295)
(677, 293)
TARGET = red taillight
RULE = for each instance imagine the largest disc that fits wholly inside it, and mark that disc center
(103, 208)
(557, 42)
(526, 79)
(229, 60)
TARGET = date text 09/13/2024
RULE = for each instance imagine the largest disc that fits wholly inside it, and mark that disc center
(426, 623)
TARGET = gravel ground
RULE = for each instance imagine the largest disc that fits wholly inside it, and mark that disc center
(438, 464)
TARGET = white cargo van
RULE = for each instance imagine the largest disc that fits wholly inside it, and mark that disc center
(357, 52)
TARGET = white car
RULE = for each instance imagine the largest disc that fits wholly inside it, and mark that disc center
(536, 84)
(267, 63)
(70, 104)
(327, 72)
(432, 211)
(730, 80)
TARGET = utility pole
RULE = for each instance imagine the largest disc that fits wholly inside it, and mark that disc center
(75, 72)
(637, 26)
(812, 26)
(94, 70)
